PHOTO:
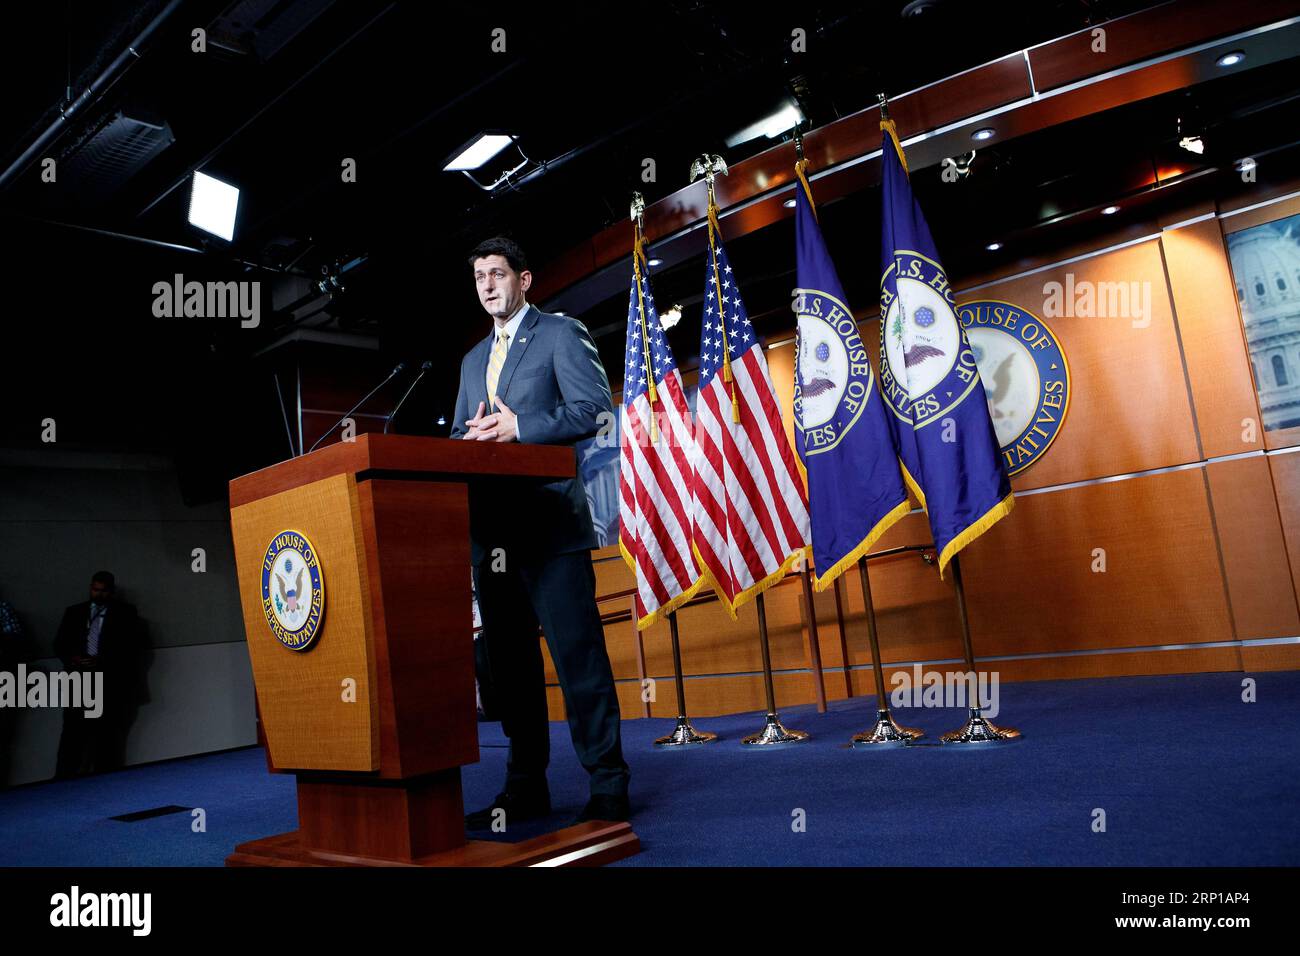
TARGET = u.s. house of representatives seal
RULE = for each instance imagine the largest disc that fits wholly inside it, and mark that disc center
(833, 377)
(930, 369)
(1025, 374)
(293, 590)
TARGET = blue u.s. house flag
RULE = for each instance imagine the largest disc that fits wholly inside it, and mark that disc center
(939, 415)
(855, 489)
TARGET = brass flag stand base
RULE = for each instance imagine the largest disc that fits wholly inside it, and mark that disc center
(976, 730)
(683, 734)
(886, 733)
(772, 734)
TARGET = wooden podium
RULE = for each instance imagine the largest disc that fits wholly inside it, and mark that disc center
(376, 715)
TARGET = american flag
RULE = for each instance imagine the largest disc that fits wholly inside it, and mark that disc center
(748, 501)
(655, 462)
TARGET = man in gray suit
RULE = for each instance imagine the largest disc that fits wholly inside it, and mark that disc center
(537, 378)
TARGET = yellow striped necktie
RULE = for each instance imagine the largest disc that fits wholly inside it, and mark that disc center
(495, 364)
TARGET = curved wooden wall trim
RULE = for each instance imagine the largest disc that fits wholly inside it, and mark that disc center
(1074, 82)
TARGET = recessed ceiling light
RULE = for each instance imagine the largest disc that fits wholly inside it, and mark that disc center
(656, 261)
(789, 204)
(982, 134)
(1231, 59)
(1110, 210)
(993, 246)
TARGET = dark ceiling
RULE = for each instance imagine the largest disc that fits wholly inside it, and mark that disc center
(287, 90)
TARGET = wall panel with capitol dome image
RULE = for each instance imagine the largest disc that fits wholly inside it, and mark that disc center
(1264, 249)
(1158, 467)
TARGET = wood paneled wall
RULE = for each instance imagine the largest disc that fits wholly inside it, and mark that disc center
(1154, 536)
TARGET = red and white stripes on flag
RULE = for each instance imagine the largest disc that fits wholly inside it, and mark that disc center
(655, 462)
(748, 502)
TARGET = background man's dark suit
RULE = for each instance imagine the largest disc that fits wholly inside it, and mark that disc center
(554, 382)
(99, 743)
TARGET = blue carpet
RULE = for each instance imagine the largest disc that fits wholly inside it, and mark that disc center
(1187, 774)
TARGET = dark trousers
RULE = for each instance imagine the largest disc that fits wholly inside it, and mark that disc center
(92, 744)
(559, 593)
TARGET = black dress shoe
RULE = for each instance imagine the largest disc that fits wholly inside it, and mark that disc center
(614, 809)
(518, 807)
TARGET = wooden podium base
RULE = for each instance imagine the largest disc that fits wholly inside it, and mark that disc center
(594, 843)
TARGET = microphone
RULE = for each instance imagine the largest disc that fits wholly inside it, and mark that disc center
(407, 394)
(397, 370)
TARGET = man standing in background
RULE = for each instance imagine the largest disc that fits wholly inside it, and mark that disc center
(102, 634)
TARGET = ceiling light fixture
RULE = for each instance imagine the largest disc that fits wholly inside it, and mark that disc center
(782, 121)
(213, 205)
(482, 150)
(985, 132)
(1231, 59)
(477, 152)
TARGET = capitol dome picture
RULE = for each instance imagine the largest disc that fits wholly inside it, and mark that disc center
(1266, 267)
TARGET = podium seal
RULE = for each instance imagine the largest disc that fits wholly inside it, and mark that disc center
(293, 590)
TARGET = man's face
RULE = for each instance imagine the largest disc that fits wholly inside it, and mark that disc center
(500, 288)
(100, 592)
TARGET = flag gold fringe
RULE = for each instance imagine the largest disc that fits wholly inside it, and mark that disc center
(913, 485)
(657, 615)
(755, 589)
(975, 529)
(660, 613)
(896, 514)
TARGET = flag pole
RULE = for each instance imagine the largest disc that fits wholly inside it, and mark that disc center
(683, 734)
(844, 640)
(710, 166)
(886, 733)
(772, 734)
(814, 642)
(977, 729)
